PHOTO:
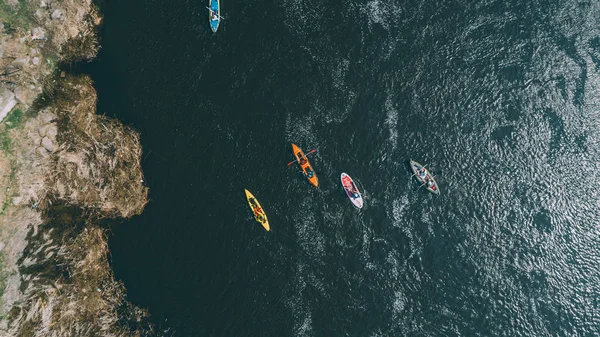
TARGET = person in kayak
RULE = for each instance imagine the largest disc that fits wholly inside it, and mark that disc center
(302, 160)
(422, 173)
(351, 190)
(309, 173)
(214, 16)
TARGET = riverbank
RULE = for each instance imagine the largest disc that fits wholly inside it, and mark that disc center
(63, 171)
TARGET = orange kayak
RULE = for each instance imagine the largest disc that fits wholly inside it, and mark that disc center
(309, 173)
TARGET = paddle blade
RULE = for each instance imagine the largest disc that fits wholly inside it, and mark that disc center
(311, 151)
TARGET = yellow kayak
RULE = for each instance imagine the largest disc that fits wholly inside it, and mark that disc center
(257, 210)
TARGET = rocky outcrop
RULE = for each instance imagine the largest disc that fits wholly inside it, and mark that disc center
(72, 168)
(96, 160)
(28, 55)
(62, 170)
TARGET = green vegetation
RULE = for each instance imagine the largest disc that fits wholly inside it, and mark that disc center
(13, 120)
(6, 202)
(3, 276)
(5, 142)
(11, 178)
(52, 61)
(14, 17)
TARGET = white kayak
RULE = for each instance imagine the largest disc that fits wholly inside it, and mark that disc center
(424, 177)
(351, 190)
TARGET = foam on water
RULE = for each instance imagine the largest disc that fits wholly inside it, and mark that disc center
(391, 122)
(298, 305)
(399, 206)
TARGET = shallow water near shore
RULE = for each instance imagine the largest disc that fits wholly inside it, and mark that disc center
(500, 99)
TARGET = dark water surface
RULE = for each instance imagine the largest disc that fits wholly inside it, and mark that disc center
(500, 98)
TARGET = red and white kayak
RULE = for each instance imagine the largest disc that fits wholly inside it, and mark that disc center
(351, 190)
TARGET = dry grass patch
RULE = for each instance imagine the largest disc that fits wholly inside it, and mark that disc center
(69, 288)
(97, 161)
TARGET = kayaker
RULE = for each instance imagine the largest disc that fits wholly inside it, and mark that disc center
(351, 189)
(309, 173)
(302, 160)
(422, 173)
(214, 16)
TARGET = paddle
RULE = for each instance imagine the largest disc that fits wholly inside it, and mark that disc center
(210, 10)
(414, 174)
(311, 151)
(432, 177)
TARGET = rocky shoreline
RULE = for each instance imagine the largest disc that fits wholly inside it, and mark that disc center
(63, 171)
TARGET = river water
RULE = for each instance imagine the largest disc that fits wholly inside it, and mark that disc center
(500, 98)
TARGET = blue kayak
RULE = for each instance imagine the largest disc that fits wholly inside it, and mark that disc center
(214, 14)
